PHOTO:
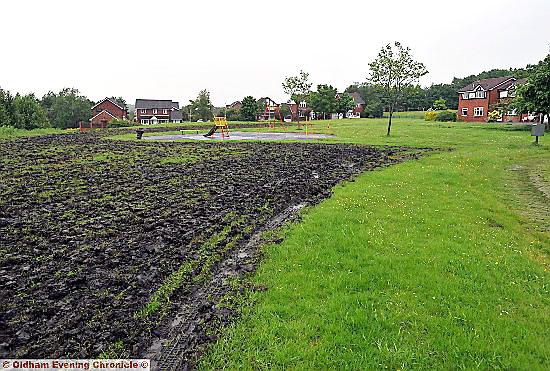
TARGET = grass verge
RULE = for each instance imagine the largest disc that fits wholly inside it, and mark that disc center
(426, 264)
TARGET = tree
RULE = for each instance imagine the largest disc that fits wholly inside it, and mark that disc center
(344, 103)
(202, 106)
(374, 109)
(373, 97)
(120, 101)
(249, 109)
(29, 113)
(67, 108)
(324, 100)
(440, 104)
(393, 70)
(7, 109)
(534, 95)
(298, 88)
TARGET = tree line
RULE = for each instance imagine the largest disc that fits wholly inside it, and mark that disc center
(62, 110)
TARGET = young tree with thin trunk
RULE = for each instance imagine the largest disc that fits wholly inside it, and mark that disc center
(298, 88)
(393, 70)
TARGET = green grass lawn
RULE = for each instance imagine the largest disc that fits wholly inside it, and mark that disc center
(432, 263)
(9, 132)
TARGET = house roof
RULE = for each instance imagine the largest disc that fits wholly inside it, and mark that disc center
(154, 103)
(489, 84)
(236, 103)
(176, 115)
(264, 99)
(110, 100)
(357, 98)
(107, 112)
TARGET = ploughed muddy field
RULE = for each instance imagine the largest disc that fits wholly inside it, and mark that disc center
(125, 249)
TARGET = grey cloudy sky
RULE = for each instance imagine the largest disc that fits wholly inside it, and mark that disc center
(172, 49)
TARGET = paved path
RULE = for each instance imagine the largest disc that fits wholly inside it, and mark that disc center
(241, 135)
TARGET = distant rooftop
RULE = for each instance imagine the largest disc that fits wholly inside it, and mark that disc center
(154, 103)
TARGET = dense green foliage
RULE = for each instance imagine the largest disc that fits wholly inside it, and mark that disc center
(67, 108)
(440, 104)
(118, 123)
(201, 107)
(249, 109)
(534, 96)
(22, 111)
(323, 101)
(443, 115)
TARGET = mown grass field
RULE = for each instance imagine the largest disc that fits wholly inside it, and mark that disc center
(441, 262)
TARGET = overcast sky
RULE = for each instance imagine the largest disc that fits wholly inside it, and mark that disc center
(172, 49)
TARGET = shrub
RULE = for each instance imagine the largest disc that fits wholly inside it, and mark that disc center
(494, 116)
(446, 116)
(118, 123)
(440, 104)
(430, 116)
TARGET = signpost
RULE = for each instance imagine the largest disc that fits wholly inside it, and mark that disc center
(537, 130)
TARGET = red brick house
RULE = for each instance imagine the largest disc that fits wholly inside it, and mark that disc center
(235, 105)
(476, 100)
(151, 111)
(298, 111)
(359, 105)
(107, 110)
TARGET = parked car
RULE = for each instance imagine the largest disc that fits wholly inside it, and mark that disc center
(288, 118)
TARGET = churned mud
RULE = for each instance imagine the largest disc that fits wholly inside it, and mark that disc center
(124, 249)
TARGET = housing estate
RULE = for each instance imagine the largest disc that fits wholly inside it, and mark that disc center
(151, 111)
(106, 111)
(477, 99)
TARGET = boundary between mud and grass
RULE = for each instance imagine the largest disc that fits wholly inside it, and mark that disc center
(181, 338)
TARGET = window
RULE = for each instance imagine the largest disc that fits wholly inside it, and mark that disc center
(471, 95)
(480, 94)
(503, 94)
(154, 111)
(464, 95)
(478, 111)
(165, 111)
(303, 104)
(144, 111)
(465, 112)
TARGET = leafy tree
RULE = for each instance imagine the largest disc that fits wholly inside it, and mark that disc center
(324, 100)
(249, 109)
(67, 108)
(298, 88)
(202, 106)
(29, 113)
(448, 92)
(373, 97)
(7, 109)
(374, 109)
(440, 104)
(393, 70)
(233, 114)
(120, 101)
(344, 103)
(534, 95)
